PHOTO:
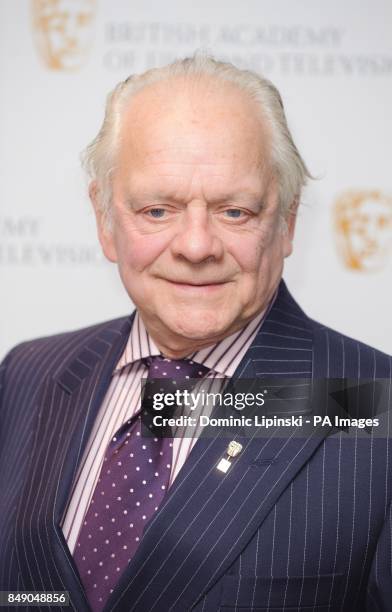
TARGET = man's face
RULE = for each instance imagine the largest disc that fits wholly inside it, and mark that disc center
(197, 233)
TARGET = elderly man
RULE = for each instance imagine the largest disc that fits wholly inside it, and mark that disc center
(195, 185)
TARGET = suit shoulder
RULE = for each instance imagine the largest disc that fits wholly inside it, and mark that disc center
(66, 344)
(350, 357)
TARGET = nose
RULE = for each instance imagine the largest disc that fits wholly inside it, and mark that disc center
(196, 240)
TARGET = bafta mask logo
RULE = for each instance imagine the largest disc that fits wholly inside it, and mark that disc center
(363, 226)
(63, 31)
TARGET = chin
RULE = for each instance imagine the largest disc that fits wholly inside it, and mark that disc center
(198, 327)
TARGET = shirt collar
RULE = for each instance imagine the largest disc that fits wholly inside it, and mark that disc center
(139, 344)
(223, 357)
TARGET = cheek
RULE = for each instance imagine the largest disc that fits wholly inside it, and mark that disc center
(139, 251)
(257, 251)
(252, 256)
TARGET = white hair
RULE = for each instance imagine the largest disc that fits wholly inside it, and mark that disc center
(288, 167)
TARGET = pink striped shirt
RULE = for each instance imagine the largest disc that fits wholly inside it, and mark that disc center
(122, 402)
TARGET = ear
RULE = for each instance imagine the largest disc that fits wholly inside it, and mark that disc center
(105, 234)
(290, 222)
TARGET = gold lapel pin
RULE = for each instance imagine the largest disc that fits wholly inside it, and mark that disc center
(233, 449)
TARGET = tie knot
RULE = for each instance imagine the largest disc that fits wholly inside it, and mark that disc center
(167, 376)
(174, 369)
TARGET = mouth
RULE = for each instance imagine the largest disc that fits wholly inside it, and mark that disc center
(197, 287)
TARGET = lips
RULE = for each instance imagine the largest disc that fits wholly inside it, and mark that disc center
(196, 288)
(193, 284)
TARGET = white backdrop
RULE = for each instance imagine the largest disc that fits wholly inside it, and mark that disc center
(332, 62)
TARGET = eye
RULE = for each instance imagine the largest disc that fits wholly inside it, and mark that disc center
(156, 213)
(234, 213)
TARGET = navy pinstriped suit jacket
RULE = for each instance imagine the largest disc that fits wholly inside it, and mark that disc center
(295, 524)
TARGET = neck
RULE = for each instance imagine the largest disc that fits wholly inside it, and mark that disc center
(174, 346)
(178, 350)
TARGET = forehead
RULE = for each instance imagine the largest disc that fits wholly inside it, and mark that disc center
(203, 122)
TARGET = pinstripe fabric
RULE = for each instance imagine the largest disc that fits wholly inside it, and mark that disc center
(122, 401)
(298, 523)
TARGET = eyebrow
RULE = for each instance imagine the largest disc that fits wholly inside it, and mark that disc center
(161, 197)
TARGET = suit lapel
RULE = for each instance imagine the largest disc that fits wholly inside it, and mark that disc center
(69, 403)
(208, 517)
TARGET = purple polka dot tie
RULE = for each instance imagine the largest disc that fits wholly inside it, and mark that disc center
(134, 478)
